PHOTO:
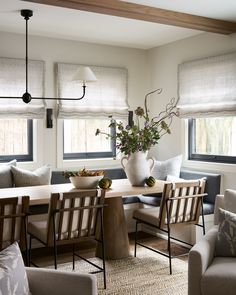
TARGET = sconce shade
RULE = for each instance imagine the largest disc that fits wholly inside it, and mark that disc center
(84, 74)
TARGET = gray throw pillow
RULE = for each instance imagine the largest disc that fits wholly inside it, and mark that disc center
(13, 278)
(6, 179)
(40, 176)
(226, 237)
(169, 167)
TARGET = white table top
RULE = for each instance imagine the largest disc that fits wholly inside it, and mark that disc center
(41, 194)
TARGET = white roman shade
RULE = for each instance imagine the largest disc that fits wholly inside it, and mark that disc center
(12, 83)
(107, 96)
(207, 87)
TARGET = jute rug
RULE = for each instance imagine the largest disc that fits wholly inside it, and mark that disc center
(147, 274)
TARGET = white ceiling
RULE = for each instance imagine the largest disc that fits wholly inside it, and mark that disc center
(83, 26)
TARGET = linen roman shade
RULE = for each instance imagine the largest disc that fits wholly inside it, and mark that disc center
(207, 87)
(107, 96)
(12, 83)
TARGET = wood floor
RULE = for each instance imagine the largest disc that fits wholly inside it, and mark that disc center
(44, 257)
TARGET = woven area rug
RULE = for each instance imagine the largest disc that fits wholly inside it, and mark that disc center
(147, 274)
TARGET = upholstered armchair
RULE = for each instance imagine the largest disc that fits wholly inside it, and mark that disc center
(208, 274)
(54, 282)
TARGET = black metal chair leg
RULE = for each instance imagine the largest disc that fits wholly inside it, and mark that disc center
(135, 239)
(103, 252)
(169, 250)
(203, 220)
(168, 233)
(27, 261)
(30, 245)
(54, 243)
(55, 256)
(73, 256)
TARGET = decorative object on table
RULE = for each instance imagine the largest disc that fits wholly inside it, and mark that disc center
(105, 183)
(137, 167)
(150, 181)
(136, 139)
(84, 178)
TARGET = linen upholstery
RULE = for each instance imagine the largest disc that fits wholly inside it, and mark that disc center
(6, 175)
(207, 274)
(229, 200)
(38, 229)
(219, 278)
(149, 215)
(55, 282)
(169, 167)
(40, 176)
(13, 278)
(226, 236)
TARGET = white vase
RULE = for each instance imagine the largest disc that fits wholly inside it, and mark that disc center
(137, 167)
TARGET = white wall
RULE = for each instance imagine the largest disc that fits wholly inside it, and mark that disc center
(56, 50)
(163, 63)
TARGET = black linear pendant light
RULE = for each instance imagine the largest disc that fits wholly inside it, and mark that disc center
(83, 74)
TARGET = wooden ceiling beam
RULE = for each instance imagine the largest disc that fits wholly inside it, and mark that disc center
(146, 13)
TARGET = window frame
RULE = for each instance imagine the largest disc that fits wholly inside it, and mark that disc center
(200, 157)
(23, 157)
(92, 155)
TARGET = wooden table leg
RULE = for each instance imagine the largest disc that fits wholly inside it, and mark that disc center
(115, 230)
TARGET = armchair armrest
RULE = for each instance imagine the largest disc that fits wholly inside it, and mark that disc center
(200, 257)
(54, 282)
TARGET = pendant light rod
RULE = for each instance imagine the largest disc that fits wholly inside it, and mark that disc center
(26, 97)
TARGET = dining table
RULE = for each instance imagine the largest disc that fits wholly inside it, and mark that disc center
(116, 238)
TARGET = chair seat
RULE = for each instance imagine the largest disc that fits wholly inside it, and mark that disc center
(38, 229)
(149, 215)
(220, 277)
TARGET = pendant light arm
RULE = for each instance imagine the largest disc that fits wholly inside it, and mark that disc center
(49, 98)
(26, 97)
(26, 54)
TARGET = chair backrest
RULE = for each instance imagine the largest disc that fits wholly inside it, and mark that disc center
(13, 212)
(181, 202)
(74, 216)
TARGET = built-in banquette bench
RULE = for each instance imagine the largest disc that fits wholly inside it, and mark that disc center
(212, 187)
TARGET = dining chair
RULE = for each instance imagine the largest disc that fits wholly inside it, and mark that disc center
(73, 217)
(181, 203)
(13, 223)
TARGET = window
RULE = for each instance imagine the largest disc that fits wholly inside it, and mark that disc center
(16, 139)
(207, 98)
(104, 98)
(16, 135)
(213, 139)
(80, 141)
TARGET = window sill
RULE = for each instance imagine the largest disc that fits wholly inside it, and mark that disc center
(90, 163)
(213, 166)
